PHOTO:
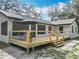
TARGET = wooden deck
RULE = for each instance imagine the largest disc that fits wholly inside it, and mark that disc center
(56, 40)
(35, 42)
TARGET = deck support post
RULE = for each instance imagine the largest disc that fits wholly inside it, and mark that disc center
(28, 38)
(28, 35)
(33, 49)
(57, 42)
(27, 50)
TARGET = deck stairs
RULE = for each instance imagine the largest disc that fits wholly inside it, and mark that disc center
(59, 40)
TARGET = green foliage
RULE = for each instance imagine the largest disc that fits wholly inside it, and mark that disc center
(60, 54)
(57, 54)
(73, 54)
(77, 38)
(71, 15)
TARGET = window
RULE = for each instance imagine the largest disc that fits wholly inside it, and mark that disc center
(15, 34)
(61, 29)
(33, 27)
(72, 29)
(41, 32)
(4, 28)
(50, 28)
(20, 26)
(41, 27)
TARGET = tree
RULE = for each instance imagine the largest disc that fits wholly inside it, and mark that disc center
(65, 13)
(29, 10)
(53, 13)
(8, 4)
(75, 5)
(18, 8)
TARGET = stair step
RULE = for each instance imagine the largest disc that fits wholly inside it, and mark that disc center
(58, 45)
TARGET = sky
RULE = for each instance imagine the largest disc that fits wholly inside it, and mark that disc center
(43, 5)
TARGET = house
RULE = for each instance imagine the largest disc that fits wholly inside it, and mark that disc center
(10, 22)
(30, 32)
(6, 20)
(67, 27)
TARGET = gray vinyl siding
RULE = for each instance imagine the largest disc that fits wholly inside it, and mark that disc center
(3, 18)
(74, 34)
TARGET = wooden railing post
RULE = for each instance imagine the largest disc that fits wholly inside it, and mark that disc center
(57, 37)
(26, 36)
(56, 41)
(27, 40)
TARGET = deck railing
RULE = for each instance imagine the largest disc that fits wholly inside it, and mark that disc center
(66, 34)
(19, 35)
(27, 37)
(52, 38)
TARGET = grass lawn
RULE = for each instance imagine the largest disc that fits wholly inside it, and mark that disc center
(3, 45)
(52, 53)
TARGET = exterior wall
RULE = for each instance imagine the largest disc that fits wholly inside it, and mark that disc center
(74, 24)
(66, 30)
(3, 18)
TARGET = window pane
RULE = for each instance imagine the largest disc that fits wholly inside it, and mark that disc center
(20, 26)
(41, 32)
(4, 28)
(50, 28)
(61, 29)
(33, 27)
(41, 27)
(14, 33)
(72, 29)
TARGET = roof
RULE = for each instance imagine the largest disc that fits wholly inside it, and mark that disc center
(36, 20)
(63, 22)
(27, 18)
(12, 15)
(30, 19)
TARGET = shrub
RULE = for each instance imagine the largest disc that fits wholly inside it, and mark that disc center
(77, 38)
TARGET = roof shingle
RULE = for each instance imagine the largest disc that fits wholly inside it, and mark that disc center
(12, 15)
(60, 22)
